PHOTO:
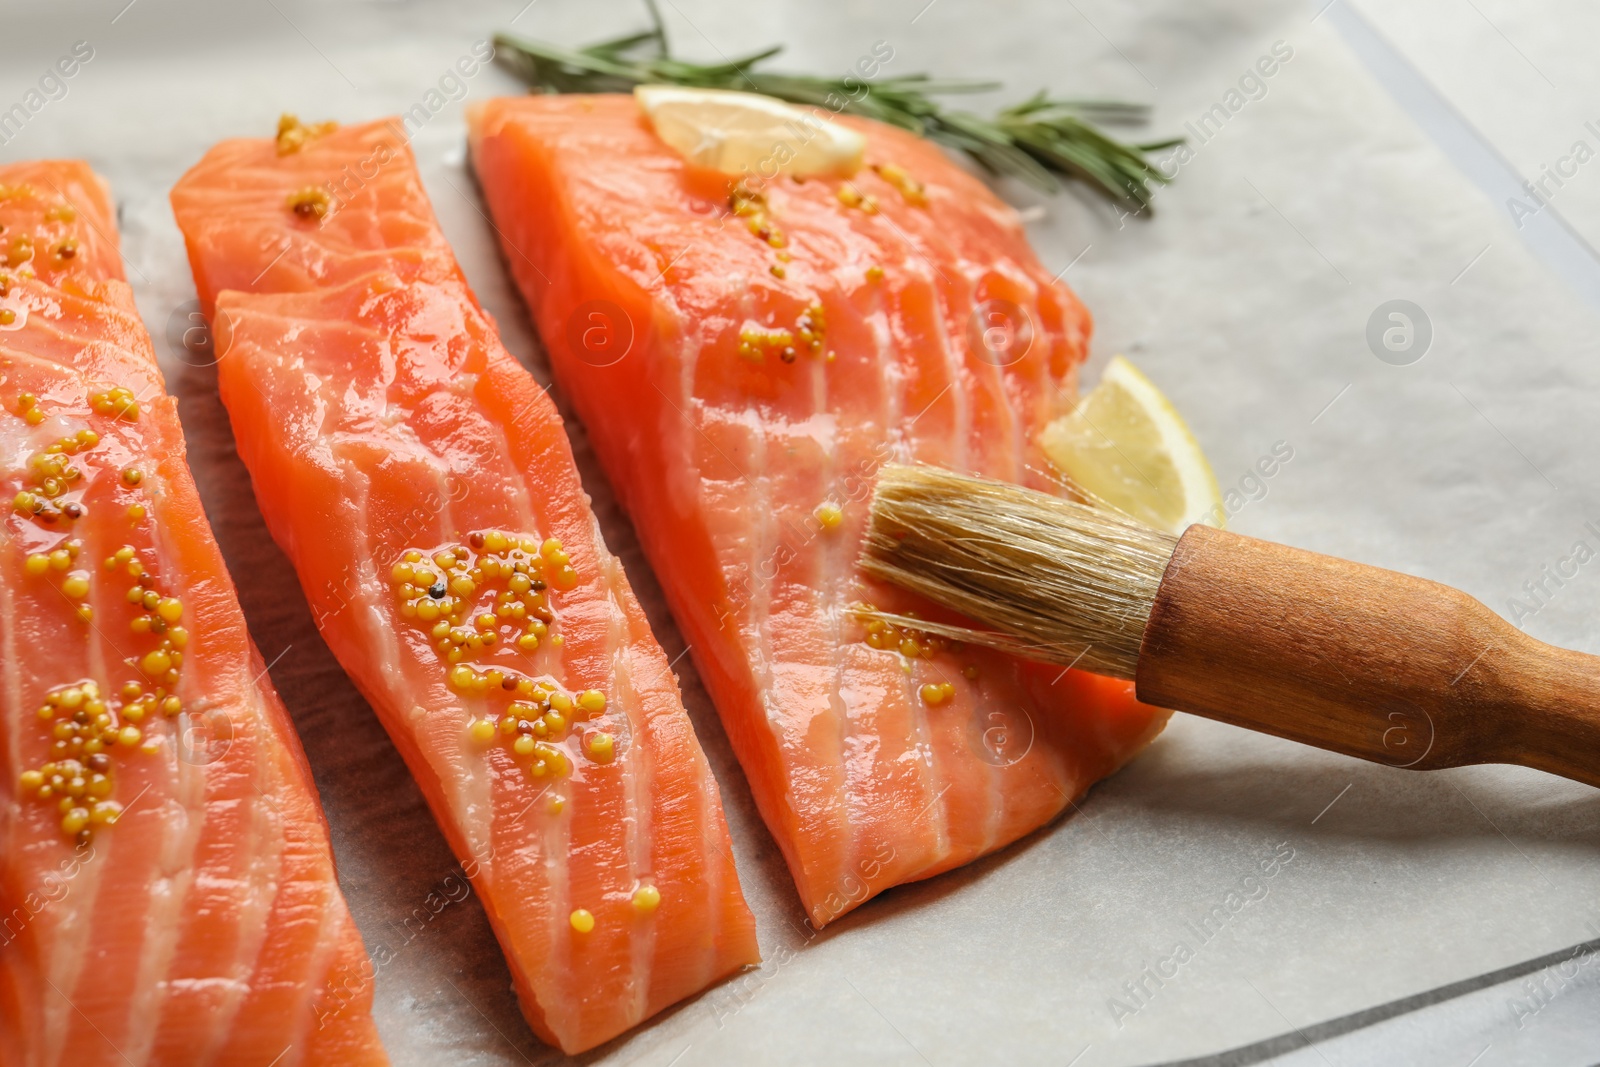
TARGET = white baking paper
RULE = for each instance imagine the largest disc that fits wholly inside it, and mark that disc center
(1303, 888)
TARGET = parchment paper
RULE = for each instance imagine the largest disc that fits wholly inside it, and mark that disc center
(1524, 75)
(1319, 898)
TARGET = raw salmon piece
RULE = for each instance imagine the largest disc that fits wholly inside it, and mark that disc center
(423, 485)
(745, 355)
(167, 891)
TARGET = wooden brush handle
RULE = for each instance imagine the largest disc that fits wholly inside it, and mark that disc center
(1364, 661)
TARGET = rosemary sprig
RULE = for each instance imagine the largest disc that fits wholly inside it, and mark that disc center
(1038, 141)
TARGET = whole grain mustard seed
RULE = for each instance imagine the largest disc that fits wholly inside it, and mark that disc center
(488, 593)
(310, 203)
(84, 726)
(293, 135)
(646, 899)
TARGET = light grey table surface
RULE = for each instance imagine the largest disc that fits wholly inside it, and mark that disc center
(1423, 919)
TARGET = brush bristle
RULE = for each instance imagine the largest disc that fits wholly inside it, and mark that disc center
(1057, 580)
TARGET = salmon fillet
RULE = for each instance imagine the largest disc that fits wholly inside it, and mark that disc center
(423, 485)
(167, 891)
(745, 355)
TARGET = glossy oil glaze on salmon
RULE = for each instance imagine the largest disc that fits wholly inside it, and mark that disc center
(167, 891)
(745, 355)
(423, 486)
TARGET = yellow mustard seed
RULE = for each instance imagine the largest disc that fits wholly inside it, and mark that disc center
(310, 203)
(646, 899)
(37, 564)
(170, 609)
(483, 731)
(128, 736)
(136, 512)
(156, 663)
(829, 516)
(582, 921)
(601, 747)
(76, 585)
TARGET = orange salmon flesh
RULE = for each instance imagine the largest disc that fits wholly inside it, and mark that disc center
(167, 891)
(422, 484)
(745, 355)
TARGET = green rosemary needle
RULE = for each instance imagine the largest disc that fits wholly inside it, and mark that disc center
(1039, 141)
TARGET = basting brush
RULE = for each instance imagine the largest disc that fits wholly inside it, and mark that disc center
(1343, 656)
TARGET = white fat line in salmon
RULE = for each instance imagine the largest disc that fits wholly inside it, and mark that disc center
(53, 889)
(856, 489)
(424, 516)
(1136, 993)
(52, 86)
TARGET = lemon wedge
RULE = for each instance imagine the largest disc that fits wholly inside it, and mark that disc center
(747, 133)
(1126, 445)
